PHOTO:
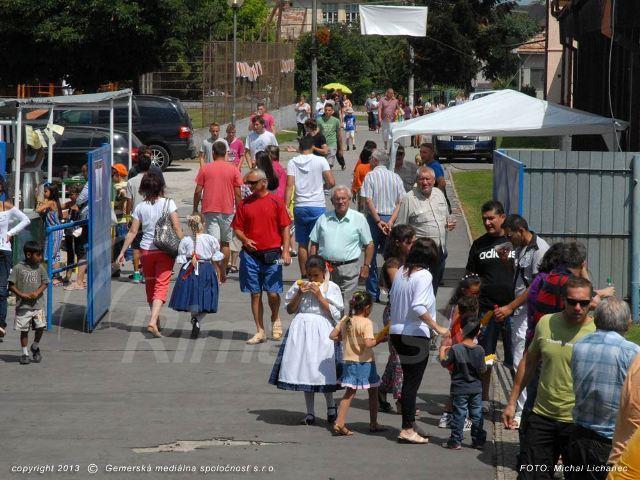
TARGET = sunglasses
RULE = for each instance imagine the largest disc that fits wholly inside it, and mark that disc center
(252, 182)
(573, 302)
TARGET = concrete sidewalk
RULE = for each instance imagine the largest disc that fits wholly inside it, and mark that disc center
(116, 397)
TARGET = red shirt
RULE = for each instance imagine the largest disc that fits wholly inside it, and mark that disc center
(218, 179)
(281, 173)
(262, 219)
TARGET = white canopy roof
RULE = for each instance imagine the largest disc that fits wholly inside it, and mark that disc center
(507, 113)
(86, 100)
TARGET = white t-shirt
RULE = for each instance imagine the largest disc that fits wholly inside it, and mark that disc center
(302, 112)
(148, 215)
(207, 146)
(411, 297)
(307, 171)
(7, 218)
(259, 143)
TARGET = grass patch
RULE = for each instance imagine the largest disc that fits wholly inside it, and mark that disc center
(474, 188)
(526, 142)
(286, 136)
(633, 335)
(196, 117)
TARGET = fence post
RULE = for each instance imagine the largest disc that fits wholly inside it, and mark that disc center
(635, 237)
(50, 276)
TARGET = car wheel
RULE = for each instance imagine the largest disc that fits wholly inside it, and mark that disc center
(159, 157)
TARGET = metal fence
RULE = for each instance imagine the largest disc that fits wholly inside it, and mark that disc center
(584, 196)
(181, 80)
(273, 85)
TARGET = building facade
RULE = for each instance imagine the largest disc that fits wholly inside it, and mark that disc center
(297, 15)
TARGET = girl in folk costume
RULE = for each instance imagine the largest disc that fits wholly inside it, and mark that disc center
(196, 289)
(308, 358)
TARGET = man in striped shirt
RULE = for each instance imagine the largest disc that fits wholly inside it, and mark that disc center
(382, 192)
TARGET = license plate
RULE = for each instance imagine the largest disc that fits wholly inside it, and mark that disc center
(464, 148)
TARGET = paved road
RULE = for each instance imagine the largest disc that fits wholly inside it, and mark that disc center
(116, 398)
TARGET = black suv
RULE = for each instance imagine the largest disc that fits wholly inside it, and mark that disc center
(70, 150)
(162, 123)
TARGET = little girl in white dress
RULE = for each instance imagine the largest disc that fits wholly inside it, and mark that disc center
(307, 361)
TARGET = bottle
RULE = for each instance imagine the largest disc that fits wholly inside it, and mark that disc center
(609, 282)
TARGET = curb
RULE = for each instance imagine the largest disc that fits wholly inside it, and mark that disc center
(464, 216)
(506, 442)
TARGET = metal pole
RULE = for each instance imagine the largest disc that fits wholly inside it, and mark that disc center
(314, 52)
(111, 130)
(235, 59)
(130, 118)
(412, 56)
(50, 152)
(635, 238)
(18, 157)
(50, 276)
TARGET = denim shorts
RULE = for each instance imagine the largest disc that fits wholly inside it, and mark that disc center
(304, 219)
(257, 276)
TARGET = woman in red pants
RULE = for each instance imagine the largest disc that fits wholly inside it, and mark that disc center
(156, 264)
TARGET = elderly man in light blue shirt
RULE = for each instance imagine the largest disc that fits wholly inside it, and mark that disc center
(338, 237)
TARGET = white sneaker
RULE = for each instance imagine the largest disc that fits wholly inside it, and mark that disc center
(445, 420)
(467, 425)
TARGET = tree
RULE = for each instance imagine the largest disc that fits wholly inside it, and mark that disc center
(363, 63)
(89, 43)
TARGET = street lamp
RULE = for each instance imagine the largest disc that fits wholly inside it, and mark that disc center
(235, 6)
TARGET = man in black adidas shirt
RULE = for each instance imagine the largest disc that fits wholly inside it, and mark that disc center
(497, 283)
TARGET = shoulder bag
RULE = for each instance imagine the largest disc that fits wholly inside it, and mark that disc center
(165, 237)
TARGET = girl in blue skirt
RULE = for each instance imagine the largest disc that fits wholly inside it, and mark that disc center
(196, 289)
(359, 369)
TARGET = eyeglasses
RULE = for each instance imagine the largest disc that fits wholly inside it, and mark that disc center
(573, 302)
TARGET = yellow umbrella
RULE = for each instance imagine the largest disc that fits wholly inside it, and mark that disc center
(337, 86)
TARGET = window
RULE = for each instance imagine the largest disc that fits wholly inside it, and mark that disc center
(352, 13)
(330, 13)
(158, 112)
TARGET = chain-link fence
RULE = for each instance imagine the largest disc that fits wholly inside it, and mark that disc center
(264, 73)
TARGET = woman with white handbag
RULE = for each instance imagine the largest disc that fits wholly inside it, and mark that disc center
(161, 235)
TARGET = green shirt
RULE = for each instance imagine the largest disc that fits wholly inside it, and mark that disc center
(341, 240)
(553, 342)
(28, 278)
(330, 129)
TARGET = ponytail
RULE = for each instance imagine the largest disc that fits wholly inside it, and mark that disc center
(359, 301)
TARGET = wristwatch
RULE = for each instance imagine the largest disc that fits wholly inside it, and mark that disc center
(368, 265)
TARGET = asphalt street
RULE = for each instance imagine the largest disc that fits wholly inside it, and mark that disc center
(115, 400)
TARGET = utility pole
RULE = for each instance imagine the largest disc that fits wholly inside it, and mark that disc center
(412, 57)
(314, 52)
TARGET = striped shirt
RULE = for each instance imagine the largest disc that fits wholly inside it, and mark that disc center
(599, 367)
(384, 188)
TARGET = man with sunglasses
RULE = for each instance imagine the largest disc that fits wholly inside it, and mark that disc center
(550, 425)
(261, 223)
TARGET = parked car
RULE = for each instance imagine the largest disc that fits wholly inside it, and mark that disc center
(160, 122)
(450, 147)
(70, 150)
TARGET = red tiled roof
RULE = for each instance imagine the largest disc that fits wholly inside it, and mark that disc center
(535, 44)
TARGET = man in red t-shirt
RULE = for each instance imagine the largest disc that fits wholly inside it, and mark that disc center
(221, 182)
(262, 225)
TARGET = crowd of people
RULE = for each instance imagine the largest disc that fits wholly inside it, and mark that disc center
(573, 395)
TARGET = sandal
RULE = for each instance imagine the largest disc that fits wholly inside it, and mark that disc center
(276, 329)
(341, 430)
(413, 438)
(74, 286)
(376, 427)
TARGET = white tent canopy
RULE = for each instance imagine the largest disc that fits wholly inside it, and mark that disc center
(507, 113)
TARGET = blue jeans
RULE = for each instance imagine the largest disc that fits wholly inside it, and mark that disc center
(488, 338)
(6, 261)
(379, 239)
(462, 404)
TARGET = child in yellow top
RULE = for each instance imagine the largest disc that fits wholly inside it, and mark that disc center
(359, 371)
